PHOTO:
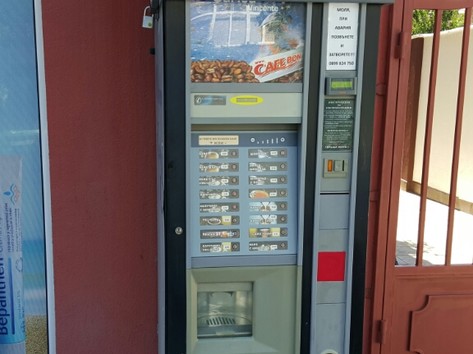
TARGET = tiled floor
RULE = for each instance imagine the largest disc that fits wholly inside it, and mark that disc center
(435, 233)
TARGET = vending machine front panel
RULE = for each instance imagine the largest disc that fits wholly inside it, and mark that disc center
(259, 136)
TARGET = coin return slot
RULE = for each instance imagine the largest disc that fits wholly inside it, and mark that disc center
(224, 310)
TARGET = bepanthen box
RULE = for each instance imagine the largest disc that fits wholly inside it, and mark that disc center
(12, 316)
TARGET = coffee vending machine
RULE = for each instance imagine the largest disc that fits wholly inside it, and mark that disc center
(264, 125)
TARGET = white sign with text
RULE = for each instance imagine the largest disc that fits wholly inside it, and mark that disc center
(342, 40)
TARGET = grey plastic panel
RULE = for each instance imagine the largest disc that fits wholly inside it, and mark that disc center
(333, 240)
(339, 121)
(331, 292)
(223, 106)
(334, 211)
(329, 324)
(247, 121)
(209, 262)
(274, 317)
(338, 178)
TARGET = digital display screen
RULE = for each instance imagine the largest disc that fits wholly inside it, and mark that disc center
(342, 84)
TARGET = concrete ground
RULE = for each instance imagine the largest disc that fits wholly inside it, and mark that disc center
(435, 233)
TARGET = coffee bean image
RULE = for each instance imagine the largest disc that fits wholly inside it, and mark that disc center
(226, 71)
(222, 71)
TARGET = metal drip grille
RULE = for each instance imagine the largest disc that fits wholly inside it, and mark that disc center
(223, 326)
(220, 321)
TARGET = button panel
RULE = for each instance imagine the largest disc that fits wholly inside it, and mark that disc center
(243, 194)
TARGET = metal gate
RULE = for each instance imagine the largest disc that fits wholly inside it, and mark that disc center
(420, 289)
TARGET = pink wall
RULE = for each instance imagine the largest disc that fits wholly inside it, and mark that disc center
(100, 102)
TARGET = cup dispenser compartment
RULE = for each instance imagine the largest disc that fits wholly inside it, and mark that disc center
(242, 310)
(224, 310)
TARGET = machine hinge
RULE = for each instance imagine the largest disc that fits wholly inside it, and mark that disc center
(381, 89)
(368, 293)
(374, 195)
(154, 8)
(402, 41)
(382, 331)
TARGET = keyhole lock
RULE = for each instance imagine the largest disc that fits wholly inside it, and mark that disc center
(178, 230)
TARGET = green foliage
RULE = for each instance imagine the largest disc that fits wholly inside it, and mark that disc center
(423, 21)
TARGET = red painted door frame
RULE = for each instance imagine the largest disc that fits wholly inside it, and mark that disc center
(401, 302)
(385, 105)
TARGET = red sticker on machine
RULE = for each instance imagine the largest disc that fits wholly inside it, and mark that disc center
(331, 266)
